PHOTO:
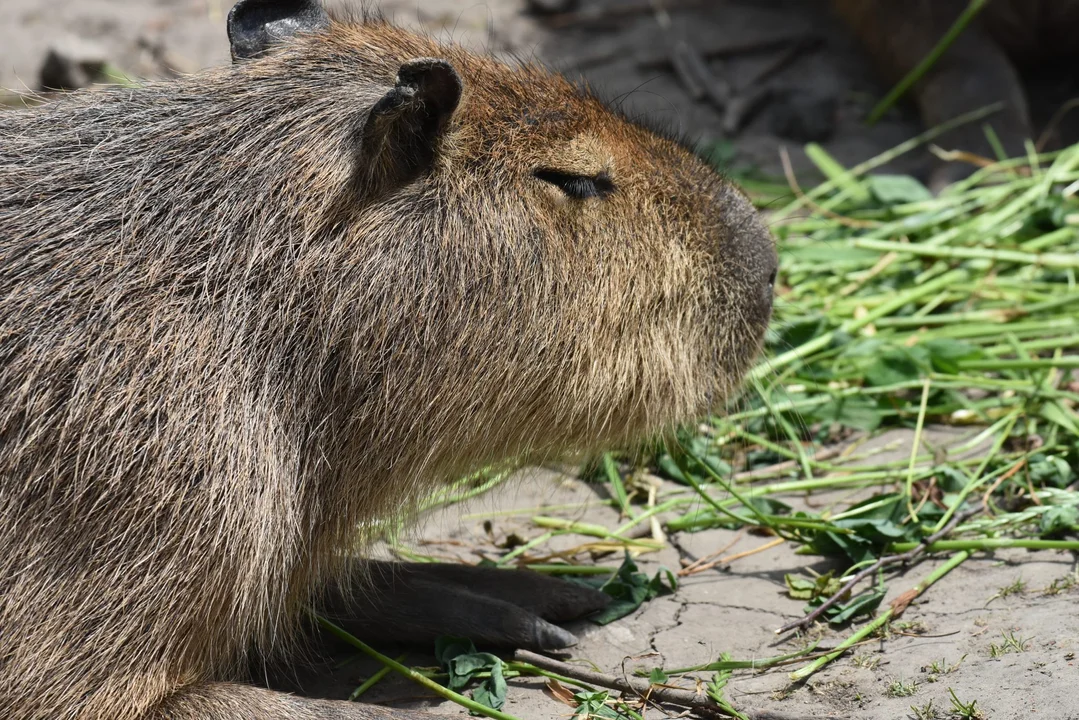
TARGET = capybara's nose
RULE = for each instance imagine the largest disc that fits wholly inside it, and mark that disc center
(768, 289)
(751, 258)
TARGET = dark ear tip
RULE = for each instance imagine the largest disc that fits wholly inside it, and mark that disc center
(433, 78)
(255, 25)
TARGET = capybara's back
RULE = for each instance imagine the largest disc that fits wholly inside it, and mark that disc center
(245, 312)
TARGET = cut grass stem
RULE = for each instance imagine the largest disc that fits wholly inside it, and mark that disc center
(881, 620)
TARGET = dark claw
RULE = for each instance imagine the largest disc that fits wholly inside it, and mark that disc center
(552, 637)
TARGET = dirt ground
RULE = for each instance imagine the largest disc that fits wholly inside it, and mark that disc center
(734, 608)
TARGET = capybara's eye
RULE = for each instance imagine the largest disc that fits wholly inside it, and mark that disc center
(578, 187)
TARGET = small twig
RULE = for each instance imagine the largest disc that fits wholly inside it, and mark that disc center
(997, 483)
(882, 562)
(754, 90)
(741, 107)
(962, 156)
(639, 688)
(689, 567)
(694, 569)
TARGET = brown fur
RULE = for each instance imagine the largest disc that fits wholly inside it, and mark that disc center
(220, 354)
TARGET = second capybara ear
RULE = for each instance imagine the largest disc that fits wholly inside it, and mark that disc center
(404, 127)
(254, 26)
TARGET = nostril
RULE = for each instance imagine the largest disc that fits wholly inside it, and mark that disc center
(768, 293)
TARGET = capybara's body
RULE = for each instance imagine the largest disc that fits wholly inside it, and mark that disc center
(247, 312)
(980, 69)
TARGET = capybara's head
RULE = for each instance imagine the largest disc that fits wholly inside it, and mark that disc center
(527, 269)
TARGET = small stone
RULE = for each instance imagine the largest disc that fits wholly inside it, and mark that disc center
(72, 63)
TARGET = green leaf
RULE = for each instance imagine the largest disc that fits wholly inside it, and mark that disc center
(800, 587)
(864, 604)
(630, 589)
(945, 354)
(876, 523)
(658, 677)
(951, 479)
(593, 705)
(458, 657)
(1059, 519)
(449, 648)
(1050, 470)
(832, 544)
(880, 532)
(492, 691)
(853, 412)
(1054, 412)
(897, 189)
(800, 331)
(896, 365)
(698, 448)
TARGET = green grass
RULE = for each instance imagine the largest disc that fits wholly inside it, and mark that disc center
(902, 688)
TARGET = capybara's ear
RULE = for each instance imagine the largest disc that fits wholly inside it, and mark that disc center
(257, 25)
(403, 129)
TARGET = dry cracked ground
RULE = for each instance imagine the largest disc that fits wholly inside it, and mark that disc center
(946, 639)
(953, 637)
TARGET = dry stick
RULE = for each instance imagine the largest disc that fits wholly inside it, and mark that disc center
(689, 567)
(1006, 476)
(884, 561)
(695, 568)
(979, 161)
(695, 76)
(639, 688)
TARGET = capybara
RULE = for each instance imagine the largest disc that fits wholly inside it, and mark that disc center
(246, 315)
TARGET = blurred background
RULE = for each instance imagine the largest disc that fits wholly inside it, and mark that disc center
(745, 79)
